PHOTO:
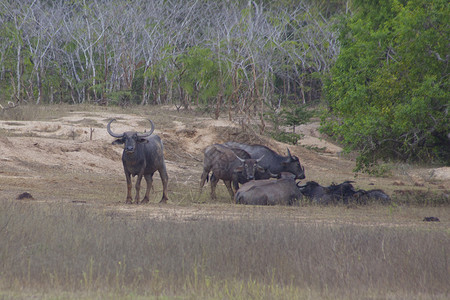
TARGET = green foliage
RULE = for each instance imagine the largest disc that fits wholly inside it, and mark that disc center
(291, 115)
(137, 85)
(287, 137)
(389, 89)
(120, 98)
(199, 74)
(294, 115)
(161, 65)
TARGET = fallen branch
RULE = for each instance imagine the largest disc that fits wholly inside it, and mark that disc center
(10, 105)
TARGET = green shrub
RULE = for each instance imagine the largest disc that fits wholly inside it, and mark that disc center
(287, 137)
(389, 89)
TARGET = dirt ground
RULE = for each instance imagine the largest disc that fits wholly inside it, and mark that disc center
(69, 158)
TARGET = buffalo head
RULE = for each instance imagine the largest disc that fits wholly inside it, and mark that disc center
(130, 138)
(292, 165)
(249, 167)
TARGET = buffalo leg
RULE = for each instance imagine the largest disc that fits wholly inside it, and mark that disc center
(128, 177)
(138, 187)
(214, 182)
(235, 183)
(203, 179)
(230, 190)
(149, 180)
(165, 181)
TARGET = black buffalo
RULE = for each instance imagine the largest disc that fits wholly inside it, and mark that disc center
(272, 162)
(344, 192)
(340, 193)
(315, 192)
(143, 155)
(250, 169)
(225, 164)
(330, 194)
(362, 196)
(283, 191)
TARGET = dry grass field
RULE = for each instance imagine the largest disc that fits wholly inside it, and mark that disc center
(77, 239)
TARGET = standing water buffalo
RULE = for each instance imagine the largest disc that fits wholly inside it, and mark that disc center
(225, 164)
(272, 162)
(283, 191)
(142, 156)
(249, 170)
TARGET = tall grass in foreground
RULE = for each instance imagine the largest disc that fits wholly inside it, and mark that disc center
(70, 248)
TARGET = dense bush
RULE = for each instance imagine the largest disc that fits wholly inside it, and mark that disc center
(389, 89)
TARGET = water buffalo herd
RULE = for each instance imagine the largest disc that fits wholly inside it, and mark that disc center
(266, 177)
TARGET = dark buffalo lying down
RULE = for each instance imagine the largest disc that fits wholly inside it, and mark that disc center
(363, 197)
(142, 156)
(325, 195)
(225, 164)
(283, 191)
(340, 193)
(271, 161)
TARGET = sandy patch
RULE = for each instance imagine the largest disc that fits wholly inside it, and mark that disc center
(79, 143)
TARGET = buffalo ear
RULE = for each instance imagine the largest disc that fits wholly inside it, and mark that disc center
(260, 169)
(118, 141)
(142, 140)
(238, 169)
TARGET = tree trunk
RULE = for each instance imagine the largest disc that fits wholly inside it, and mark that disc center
(218, 106)
(39, 83)
(144, 91)
(18, 73)
(302, 88)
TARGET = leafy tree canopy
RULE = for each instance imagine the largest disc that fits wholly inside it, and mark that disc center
(389, 89)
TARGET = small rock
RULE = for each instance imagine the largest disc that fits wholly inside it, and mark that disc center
(431, 219)
(25, 195)
(398, 183)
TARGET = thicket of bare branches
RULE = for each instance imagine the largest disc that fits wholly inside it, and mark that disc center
(225, 54)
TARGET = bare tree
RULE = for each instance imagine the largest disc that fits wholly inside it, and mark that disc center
(91, 49)
(19, 15)
(38, 37)
(86, 30)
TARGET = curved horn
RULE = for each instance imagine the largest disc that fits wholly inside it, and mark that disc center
(289, 153)
(259, 159)
(300, 186)
(272, 175)
(242, 160)
(108, 128)
(145, 134)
